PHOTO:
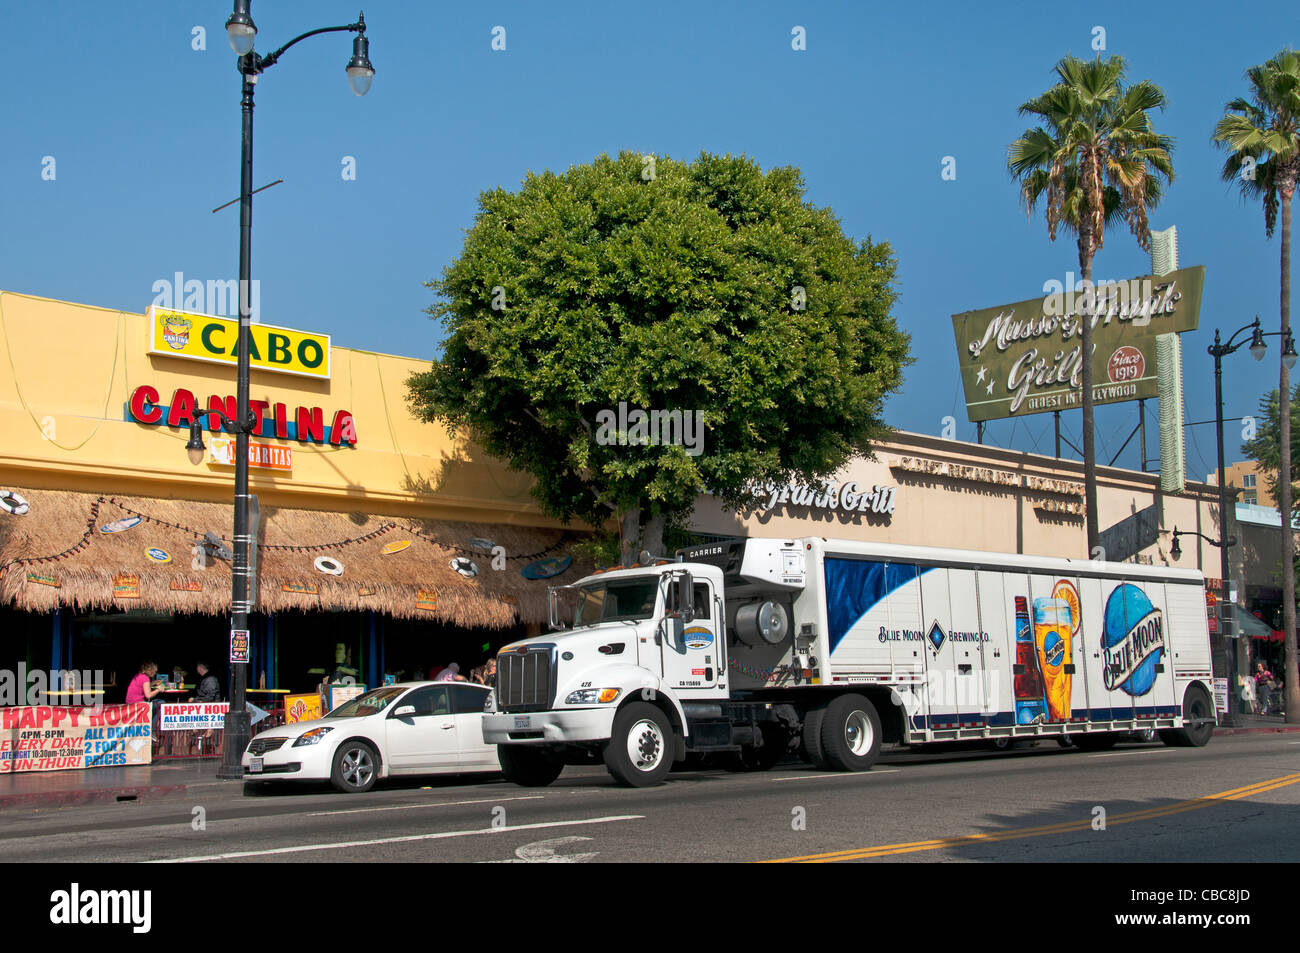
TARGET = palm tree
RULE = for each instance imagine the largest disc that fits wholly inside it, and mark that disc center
(1264, 158)
(1095, 159)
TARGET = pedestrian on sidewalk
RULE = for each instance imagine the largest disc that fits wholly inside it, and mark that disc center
(1263, 688)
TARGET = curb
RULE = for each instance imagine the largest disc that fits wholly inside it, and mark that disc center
(1270, 730)
(79, 797)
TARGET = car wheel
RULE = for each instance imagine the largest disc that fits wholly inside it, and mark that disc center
(850, 734)
(527, 766)
(640, 749)
(356, 765)
(1144, 734)
(1002, 744)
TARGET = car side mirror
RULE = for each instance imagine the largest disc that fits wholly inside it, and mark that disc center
(406, 711)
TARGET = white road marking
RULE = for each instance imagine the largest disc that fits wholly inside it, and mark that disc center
(411, 807)
(837, 774)
(409, 838)
(543, 852)
(1120, 754)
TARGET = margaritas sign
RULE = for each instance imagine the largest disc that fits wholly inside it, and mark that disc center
(1025, 358)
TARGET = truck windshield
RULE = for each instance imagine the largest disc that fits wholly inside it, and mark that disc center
(616, 601)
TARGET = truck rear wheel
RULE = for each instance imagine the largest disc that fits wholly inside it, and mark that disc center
(850, 733)
(811, 748)
(1196, 707)
(527, 766)
(640, 749)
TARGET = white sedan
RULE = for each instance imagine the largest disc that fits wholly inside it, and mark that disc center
(412, 728)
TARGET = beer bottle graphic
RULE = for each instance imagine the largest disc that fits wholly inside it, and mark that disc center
(1052, 632)
(1031, 704)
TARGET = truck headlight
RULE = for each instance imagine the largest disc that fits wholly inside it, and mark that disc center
(490, 703)
(311, 737)
(593, 696)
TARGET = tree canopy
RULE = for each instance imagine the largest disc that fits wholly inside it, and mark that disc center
(1265, 448)
(709, 288)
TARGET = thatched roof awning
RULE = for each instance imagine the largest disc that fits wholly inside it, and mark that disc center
(58, 555)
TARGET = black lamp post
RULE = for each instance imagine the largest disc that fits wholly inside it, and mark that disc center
(1218, 350)
(242, 33)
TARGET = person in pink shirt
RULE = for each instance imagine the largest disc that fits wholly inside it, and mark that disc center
(142, 688)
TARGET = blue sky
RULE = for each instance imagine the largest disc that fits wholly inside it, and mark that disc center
(144, 131)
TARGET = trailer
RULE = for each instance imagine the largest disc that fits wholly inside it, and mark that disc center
(754, 648)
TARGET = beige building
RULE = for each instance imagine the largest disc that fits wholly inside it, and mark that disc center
(1247, 476)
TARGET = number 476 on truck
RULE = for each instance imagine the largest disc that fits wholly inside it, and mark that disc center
(759, 647)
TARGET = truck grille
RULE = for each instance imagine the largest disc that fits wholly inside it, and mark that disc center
(526, 680)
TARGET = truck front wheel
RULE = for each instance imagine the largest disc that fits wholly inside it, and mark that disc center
(527, 766)
(850, 735)
(640, 749)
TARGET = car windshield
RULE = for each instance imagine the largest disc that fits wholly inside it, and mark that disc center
(371, 703)
(616, 601)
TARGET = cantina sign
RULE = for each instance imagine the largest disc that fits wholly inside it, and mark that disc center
(1025, 358)
(306, 424)
(202, 337)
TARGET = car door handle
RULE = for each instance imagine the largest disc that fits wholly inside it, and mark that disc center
(447, 727)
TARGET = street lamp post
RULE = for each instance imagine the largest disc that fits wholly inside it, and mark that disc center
(1218, 350)
(242, 33)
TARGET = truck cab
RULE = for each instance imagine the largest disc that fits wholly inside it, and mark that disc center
(633, 650)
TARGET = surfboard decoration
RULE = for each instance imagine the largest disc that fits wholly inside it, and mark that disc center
(546, 568)
(122, 525)
(481, 545)
(394, 547)
(157, 555)
(12, 503)
(464, 566)
(328, 565)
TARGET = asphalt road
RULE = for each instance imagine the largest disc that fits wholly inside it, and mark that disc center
(1237, 799)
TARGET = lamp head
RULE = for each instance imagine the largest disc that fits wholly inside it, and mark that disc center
(1257, 345)
(1288, 351)
(194, 449)
(360, 72)
(240, 28)
(1176, 552)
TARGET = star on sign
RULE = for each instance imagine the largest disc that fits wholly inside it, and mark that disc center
(990, 388)
(980, 377)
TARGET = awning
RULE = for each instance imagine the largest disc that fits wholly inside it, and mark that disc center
(96, 552)
(1247, 625)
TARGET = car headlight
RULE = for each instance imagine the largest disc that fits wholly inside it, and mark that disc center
(593, 696)
(311, 737)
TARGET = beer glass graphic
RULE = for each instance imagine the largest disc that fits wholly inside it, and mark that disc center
(1052, 630)
(1028, 683)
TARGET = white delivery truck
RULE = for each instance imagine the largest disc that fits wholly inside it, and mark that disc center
(758, 646)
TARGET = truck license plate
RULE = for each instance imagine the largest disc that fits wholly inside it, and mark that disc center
(523, 723)
(254, 765)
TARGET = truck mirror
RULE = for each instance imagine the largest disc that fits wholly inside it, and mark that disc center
(678, 627)
(685, 597)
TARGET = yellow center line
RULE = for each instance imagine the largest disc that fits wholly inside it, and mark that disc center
(858, 853)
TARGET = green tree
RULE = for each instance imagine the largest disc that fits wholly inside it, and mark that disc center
(710, 288)
(1262, 136)
(1265, 448)
(1093, 159)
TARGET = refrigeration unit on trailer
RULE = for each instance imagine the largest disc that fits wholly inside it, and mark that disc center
(755, 647)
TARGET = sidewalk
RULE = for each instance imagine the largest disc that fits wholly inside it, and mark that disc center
(1255, 724)
(152, 782)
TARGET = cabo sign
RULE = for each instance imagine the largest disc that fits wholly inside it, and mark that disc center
(203, 337)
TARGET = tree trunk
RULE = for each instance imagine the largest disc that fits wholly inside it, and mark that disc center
(629, 536)
(1089, 449)
(1292, 686)
(653, 540)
